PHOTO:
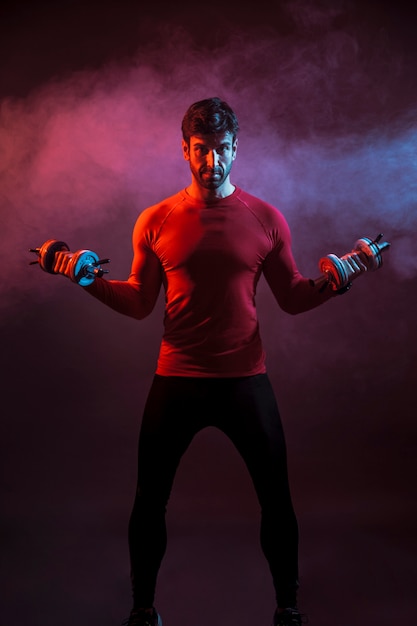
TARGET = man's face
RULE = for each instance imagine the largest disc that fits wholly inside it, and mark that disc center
(211, 158)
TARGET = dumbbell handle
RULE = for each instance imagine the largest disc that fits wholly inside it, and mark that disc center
(84, 265)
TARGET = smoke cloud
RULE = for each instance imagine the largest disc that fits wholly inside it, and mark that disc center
(92, 97)
(327, 133)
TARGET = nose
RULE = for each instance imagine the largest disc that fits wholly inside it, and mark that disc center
(212, 158)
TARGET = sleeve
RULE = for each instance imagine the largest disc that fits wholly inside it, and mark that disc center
(136, 296)
(293, 292)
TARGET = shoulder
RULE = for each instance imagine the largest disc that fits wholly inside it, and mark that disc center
(268, 214)
(153, 216)
(161, 208)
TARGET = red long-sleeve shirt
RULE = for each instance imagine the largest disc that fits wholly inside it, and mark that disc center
(209, 258)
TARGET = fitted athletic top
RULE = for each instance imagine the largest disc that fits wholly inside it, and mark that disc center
(209, 256)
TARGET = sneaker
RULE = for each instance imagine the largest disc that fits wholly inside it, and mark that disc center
(289, 617)
(139, 617)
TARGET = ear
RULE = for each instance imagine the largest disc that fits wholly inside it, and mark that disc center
(185, 150)
(234, 149)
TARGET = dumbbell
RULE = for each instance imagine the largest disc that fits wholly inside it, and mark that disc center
(84, 266)
(339, 272)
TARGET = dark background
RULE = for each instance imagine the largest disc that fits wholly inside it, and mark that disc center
(92, 96)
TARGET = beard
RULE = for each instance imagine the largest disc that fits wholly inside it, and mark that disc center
(211, 178)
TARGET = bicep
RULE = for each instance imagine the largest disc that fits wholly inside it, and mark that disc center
(282, 274)
(146, 270)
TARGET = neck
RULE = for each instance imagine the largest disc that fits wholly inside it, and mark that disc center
(207, 195)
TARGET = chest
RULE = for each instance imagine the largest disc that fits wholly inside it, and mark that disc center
(212, 238)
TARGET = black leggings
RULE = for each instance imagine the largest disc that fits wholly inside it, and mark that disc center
(245, 410)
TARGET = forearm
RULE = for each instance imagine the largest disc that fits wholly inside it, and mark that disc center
(121, 296)
(303, 296)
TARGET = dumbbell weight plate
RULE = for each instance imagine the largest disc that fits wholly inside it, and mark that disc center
(82, 267)
(372, 251)
(47, 254)
(331, 264)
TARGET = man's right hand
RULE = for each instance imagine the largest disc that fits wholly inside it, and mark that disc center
(62, 264)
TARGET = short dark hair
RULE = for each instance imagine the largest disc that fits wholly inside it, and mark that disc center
(207, 117)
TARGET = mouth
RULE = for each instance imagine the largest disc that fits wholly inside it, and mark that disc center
(211, 173)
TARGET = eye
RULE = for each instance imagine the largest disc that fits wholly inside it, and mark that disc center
(224, 149)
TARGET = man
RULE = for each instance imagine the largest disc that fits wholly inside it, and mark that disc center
(207, 246)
